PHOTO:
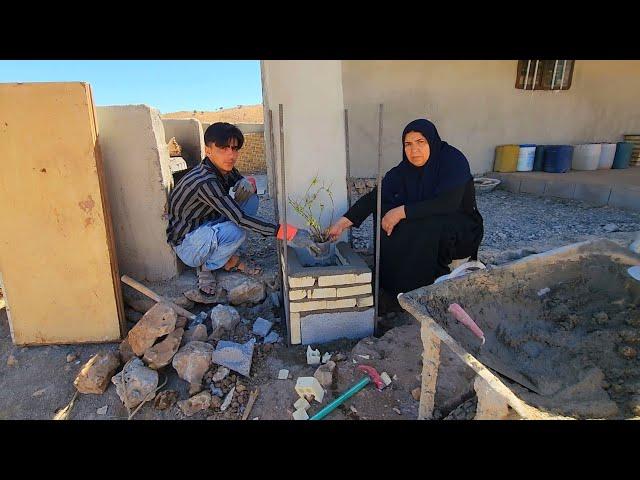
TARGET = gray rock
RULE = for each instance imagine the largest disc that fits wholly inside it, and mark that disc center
(261, 327)
(192, 361)
(241, 288)
(216, 391)
(611, 227)
(223, 319)
(162, 352)
(158, 321)
(273, 337)
(220, 374)
(95, 375)
(196, 334)
(235, 356)
(195, 404)
(139, 383)
(275, 299)
(324, 374)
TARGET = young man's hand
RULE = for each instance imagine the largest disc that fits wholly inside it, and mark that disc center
(244, 188)
(338, 227)
(391, 219)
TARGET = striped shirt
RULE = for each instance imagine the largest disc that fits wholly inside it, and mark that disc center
(203, 195)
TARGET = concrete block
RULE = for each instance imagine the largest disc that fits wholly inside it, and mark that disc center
(138, 179)
(322, 293)
(261, 327)
(294, 323)
(355, 265)
(301, 404)
(625, 196)
(534, 186)
(385, 378)
(328, 280)
(301, 282)
(594, 194)
(313, 356)
(307, 306)
(560, 189)
(283, 374)
(364, 277)
(355, 290)
(297, 294)
(309, 386)
(318, 328)
(365, 302)
(300, 415)
(344, 303)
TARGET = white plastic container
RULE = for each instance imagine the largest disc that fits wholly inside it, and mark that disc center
(526, 157)
(586, 156)
(607, 153)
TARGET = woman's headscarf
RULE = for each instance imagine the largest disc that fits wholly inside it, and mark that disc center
(446, 168)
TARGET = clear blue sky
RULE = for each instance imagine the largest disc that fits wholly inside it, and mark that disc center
(168, 85)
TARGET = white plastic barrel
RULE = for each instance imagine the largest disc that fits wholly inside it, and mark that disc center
(607, 154)
(586, 156)
(526, 157)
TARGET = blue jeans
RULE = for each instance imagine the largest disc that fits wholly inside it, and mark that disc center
(212, 244)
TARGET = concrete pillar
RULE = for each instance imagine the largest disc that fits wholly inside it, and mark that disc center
(138, 178)
(430, 367)
(314, 142)
(189, 135)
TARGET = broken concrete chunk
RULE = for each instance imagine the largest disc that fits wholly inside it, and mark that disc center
(543, 291)
(227, 400)
(102, 410)
(324, 374)
(161, 353)
(309, 386)
(95, 375)
(223, 319)
(220, 374)
(165, 400)
(235, 356)
(313, 356)
(326, 357)
(196, 334)
(192, 361)
(300, 415)
(195, 404)
(135, 383)
(301, 404)
(273, 337)
(283, 374)
(157, 322)
(71, 357)
(261, 327)
(385, 378)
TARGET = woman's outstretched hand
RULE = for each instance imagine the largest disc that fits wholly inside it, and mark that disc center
(338, 227)
(391, 219)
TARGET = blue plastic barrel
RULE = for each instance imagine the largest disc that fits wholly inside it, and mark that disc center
(538, 160)
(557, 158)
(623, 155)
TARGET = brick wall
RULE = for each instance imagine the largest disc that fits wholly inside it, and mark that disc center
(252, 156)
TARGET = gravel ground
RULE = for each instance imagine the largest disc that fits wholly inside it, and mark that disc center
(520, 224)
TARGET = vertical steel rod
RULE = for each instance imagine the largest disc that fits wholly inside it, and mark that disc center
(378, 213)
(285, 282)
(346, 142)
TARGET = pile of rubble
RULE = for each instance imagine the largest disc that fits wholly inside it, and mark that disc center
(212, 352)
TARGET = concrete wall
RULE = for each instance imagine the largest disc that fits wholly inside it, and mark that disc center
(476, 106)
(59, 271)
(136, 162)
(189, 135)
(314, 143)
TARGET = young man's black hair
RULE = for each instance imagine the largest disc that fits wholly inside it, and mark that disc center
(221, 133)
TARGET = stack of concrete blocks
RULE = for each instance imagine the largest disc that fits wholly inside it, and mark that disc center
(328, 303)
(189, 135)
(138, 179)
